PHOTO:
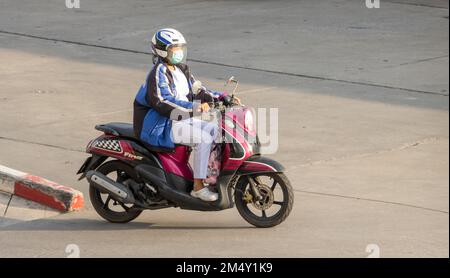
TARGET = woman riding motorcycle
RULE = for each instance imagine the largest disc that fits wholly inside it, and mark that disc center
(168, 93)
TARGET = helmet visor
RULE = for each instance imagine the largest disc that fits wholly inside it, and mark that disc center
(177, 53)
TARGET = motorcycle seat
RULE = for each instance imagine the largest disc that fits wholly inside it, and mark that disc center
(117, 129)
(127, 130)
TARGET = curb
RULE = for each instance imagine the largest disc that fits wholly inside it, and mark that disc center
(40, 190)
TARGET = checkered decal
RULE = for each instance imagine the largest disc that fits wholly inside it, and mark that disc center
(109, 145)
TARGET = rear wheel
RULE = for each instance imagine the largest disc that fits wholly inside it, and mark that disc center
(105, 205)
(275, 201)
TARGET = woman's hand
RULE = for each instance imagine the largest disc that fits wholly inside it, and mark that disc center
(237, 100)
(204, 107)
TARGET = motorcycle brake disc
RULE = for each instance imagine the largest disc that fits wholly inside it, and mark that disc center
(267, 198)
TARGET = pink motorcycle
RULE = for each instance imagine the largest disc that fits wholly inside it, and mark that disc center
(127, 176)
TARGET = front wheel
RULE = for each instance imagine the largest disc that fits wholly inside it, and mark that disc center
(268, 202)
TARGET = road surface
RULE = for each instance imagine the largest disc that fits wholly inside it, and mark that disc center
(363, 119)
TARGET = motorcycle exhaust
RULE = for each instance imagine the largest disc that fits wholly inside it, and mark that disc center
(116, 190)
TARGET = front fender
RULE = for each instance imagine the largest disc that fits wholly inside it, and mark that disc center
(259, 164)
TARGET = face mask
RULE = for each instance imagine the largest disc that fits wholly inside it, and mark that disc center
(177, 57)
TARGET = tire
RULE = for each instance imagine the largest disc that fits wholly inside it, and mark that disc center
(264, 221)
(99, 204)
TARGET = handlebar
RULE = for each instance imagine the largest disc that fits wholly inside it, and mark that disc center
(218, 107)
(227, 101)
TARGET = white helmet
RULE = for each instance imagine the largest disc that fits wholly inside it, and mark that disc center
(169, 44)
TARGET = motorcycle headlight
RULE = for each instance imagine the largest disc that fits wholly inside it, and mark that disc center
(249, 122)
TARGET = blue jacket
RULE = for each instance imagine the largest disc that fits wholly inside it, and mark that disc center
(156, 105)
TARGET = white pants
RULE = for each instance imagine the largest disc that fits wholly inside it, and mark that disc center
(200, 135)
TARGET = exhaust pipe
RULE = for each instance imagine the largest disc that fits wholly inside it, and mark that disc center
(117, 190)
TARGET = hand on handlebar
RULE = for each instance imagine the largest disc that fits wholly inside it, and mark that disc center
(204, 107)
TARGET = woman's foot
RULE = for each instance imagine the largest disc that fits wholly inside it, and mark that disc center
(205, 195)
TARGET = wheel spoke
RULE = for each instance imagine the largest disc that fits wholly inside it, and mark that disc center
(123, 206)
(274, 184)
(120, 175)
(106, 204)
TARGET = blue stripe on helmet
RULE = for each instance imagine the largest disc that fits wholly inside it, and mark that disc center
(158, 36)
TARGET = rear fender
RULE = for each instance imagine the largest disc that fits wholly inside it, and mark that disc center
(109, 146)
(91, 163)
(125, 149)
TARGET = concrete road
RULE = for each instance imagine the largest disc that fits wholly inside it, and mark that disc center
(363, 119)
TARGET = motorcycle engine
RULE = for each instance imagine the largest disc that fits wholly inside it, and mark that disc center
(144, 192)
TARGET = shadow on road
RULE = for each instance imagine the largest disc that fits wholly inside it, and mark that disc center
(80, 224)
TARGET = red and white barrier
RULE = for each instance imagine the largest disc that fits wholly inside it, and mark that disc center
(40, 190)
